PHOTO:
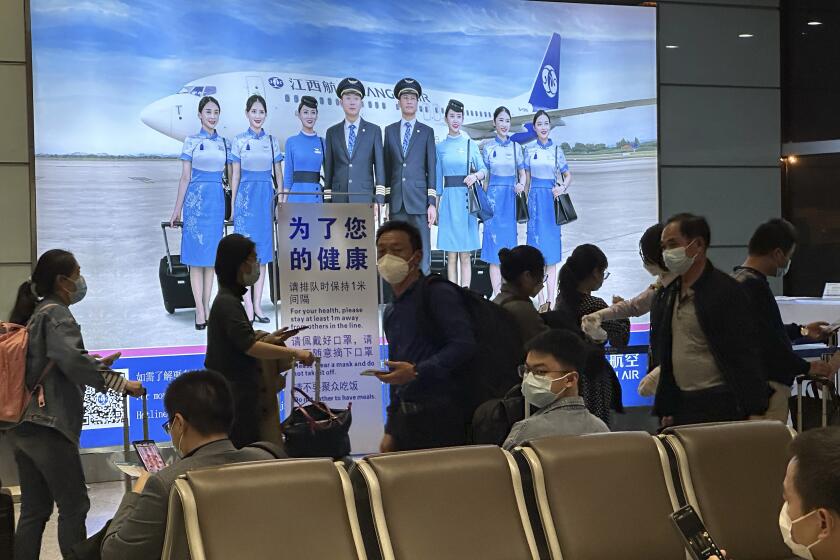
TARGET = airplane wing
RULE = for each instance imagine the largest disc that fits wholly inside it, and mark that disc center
(486, 129)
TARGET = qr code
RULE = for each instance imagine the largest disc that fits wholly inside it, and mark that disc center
(103, 410)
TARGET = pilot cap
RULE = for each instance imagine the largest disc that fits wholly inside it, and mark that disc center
(454, 105)
(408, 85)
(350, 85)
(309, 101)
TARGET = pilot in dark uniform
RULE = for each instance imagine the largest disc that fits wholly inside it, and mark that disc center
(353, 162)
(410, 167)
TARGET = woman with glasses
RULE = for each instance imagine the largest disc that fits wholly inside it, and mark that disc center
(584, 272)
(523, 271)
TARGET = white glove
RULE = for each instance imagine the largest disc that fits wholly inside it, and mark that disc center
(591, 325)
(649, 383)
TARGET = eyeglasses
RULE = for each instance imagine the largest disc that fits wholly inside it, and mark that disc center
(606, 274)
(545, 278)
(524, 370)
(167, 426)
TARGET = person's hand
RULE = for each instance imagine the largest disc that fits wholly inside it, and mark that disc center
(519, 188)
(400, 374)
(305, 357)
(649, 383)
(617, 299)
(108, 361)
(470, 179)
(134, 388)
(431, 215)
(816, 331)
(725, 556)
(821, 369)
(141, 481)
(279, 337)
(384, 212)
(176, 217)
(387, 445)
(557, 190)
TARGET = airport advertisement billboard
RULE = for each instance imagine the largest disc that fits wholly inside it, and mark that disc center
(117, 85)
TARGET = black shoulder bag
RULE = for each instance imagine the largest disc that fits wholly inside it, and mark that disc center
(226, 184)
(273, 176)
(479, 204)
(522, 215)
(564, 210)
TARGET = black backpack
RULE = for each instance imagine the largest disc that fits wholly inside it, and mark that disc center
(492, 370)
(494, 419)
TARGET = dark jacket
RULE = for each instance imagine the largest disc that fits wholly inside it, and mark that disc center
(723, 312)
(357, 174)
(410, 179)
(779, 362)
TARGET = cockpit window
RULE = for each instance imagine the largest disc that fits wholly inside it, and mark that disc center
(199, 91)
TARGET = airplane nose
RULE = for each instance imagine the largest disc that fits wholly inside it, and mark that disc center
(158, 116)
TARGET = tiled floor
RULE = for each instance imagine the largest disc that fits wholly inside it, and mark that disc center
(104, 500)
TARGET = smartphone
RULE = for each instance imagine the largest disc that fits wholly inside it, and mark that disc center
(149, 454)
(293, 332)
(374, 372)
(697, 539)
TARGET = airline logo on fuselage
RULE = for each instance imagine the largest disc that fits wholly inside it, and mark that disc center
(275, 82)
(549, 80)
(328, 87)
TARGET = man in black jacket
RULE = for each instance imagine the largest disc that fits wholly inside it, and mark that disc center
(770, 251)
(702, 336)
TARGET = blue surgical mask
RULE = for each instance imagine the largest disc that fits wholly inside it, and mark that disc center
(81, 290)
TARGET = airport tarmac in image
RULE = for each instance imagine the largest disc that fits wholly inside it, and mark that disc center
(108, 213)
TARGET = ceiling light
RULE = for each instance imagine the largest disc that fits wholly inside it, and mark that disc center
(814, 23)
(746, 35)
(672, 46)
(791, 159)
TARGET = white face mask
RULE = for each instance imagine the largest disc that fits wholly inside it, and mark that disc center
(250, 278)
(781, 272)
(537, 389)
(392, 268)
(654, 269)
(786, 526)
(677, 260)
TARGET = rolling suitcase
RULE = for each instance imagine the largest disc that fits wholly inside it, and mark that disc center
(480, 282)
(174, 278)
(809, 410)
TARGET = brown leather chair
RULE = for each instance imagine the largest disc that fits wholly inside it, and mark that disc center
(604, 496)
(455, 503)
(732, 473)
(295, 508)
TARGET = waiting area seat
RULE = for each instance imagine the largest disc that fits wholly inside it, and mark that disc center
(447, 504)
(297, 508)
(732, 474)
(604, 496)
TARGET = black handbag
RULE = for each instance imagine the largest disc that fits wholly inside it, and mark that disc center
(817, 410)
(564, 210)
(226, 185)
(316, 430)
(522, 214)
(479, 203)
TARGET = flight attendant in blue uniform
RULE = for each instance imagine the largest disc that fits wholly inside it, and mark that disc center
(550, 177)
(255, 157)
(457, 228)
(506, 162)
(202, 200)
(305, 154)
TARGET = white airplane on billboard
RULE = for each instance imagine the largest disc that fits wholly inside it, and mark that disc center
(176, 115)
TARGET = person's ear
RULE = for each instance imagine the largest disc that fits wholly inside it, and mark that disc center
(828, 523)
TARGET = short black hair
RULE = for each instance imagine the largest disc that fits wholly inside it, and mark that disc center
(563, 345)
(208, 99)
(692, 227)
(203, 398)
(538, 114)
(233, 250)
(499, 111)
(771, 235)
(650, 246)
(522, 258)
(256, 99)
(396, 225)
(817, 480)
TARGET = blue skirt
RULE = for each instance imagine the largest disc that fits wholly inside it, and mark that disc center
(457, 228)
(204, 216)
(543, 231)
(500, 230)
(305, 188)
(252, 216)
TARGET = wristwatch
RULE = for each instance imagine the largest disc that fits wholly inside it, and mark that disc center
(803, 330)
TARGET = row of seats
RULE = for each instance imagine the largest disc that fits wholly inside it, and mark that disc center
(594, 497)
